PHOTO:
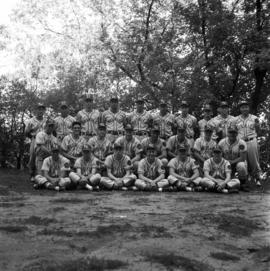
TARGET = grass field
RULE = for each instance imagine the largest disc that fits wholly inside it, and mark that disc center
(44, 230)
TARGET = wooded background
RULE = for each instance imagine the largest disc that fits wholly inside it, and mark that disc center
(201, 51)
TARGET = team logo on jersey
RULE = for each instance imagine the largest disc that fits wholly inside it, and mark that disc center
(229, 167)
(241, 147)
(129, 163)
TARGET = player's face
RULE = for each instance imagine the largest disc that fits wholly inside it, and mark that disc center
(244, 109)
(40, 112)
(50, 128)
(181, 134)
(140, 106)
(88, 104)
(101, 132)
(118, 152)
(154, 135)
(232, 136)
(76, 129)
(151, 154)
(163, 109)
(64, 111)
(86, 154)
(184, 110)
(217, 156)
(55, 154)
(114, 105)
(208, 134)
(224, 110)
(182, 154)
(208, 113)
(129, 134)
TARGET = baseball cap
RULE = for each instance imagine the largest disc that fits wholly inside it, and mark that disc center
(150, 147)
(140, 99)
(207, 107)
(182, 147)
(41, 105)
(129, 127)
(208, 127)
(155, 128)
(117, 146)
(243, 102)
(63, 104)
(162, 103)
(224, 104)
(184, 104)
(232, 129)
(88, 97)
(114, 99)
(181, 127)
(55, 147)
(86, 147)
(49, 122)
(217, 149)
(102, 125)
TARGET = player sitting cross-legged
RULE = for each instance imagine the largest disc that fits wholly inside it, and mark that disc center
(217, 174)
(86, 175)
(118, 170)
(184, 173)
(151, 172)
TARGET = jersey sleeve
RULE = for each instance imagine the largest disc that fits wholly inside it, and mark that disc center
(141, 167)
(46, 164)
(172, 163)
(160, 167)
(227, 166)
(242, 146)
(64, 144)
(194, 164)
(40, 139)
(197, 145)
(206, 166)
(78, 163)
(108, 162)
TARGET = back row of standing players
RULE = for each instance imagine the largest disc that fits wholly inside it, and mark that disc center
(139, 133)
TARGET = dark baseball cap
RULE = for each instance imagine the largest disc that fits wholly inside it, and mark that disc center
(207, 107)
(88, 97)
(150, 147)
(41, 105)
(243, 102)
(182, 147)
(140, 99)
(129, 127)
(224, 104)
(63, 105)
(232, 129)
(184, 104)
(114, 99)
(217, 149)
(117, 146)
(208, 127)
(101, 126)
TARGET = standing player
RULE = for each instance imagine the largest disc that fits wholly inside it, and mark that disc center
(140, 119)
(53, 173)
(118, 170)
(165, 121)
(63, 123)
(222, 121)
(43, 144)
(184, 173)
(176, 140)
(207, 119)
(72, 143)
(151, 172)
(203, 146)
(189, 121)
(88, 117)
(158, 143)
(114, 119)
(131, 146)
(217, 174)
(86, 175)
(101, 147)
(248, 126)
(235, 151)
(32, 127)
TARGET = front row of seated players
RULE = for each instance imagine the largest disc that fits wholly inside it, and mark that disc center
(183, 172)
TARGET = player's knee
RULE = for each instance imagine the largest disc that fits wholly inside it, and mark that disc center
(172, 180)
(40, 180)
(241, 168)
(95, 179)
(106, 182)
(140, 184)
(233, 184)
(197, 181)
(64, 182)
(164, 162)
(74, 177)
(163, 183)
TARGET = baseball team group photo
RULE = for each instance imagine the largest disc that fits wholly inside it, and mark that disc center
(134, 135)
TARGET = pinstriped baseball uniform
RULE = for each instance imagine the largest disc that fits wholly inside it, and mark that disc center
(42, 138)
(222, 124)
(130, 148)
(35, 125)
(54, 167)
(63, 126)
(118, 167)
(73, 146)
(150, 170)
(232, 151)
(183, 168)
(247, 132)
(165, 124)
(202, 123)
(204, 147)
(89, 121)
(100, 147)
(189, 121)
(140, 122)
(217, 170)
(173, 143)
(160, 145)
(114, 121)
(86, 166)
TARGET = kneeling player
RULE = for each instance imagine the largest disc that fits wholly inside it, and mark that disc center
(86, 175)
(217, 174)
(118, 170)
(55, 169)
(184, 172)
(151, 172)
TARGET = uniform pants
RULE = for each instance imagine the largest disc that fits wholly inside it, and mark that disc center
(127, 182)
(179, 183)
(241, 169)
(41, 181)
(207, 183)
(253, 156)
(93, 180)
(142, 185)
(32, 158)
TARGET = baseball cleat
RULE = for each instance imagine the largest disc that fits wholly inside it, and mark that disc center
(189, 189)
(258, 183)
(124, 188)
(89, 187)
(224, 191)
(57, 188)
(160, 189)
(32, 179)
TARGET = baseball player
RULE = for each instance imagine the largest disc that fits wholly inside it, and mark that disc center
(63, 123)
(158, 143)
(72, 144)
(189, 121)
(235, 151)
(184, 172)
(101, 147)
(203, 146)
(32, 127)
(54, 171)
(222, 121)
(164, 120)
(43, 144)
(248, 126)
(88, 117)
(86, 175)
(131, 146)
(176, 140)
(207, 120)
(217, 174)
(114, 119)
(140, 119)
(118, 170)
(151, 172)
